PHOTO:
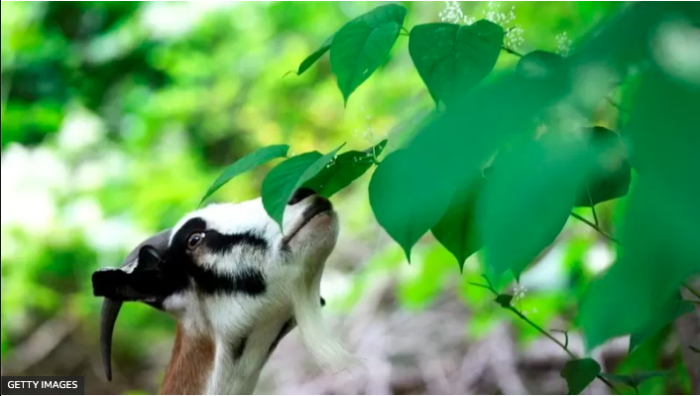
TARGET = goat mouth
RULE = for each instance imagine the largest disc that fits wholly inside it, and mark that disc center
(320, 207)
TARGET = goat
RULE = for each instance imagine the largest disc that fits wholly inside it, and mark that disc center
(235, 283)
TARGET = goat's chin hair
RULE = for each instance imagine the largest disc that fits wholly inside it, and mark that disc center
(324, 346)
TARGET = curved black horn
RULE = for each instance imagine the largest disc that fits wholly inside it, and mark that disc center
(111, 306)
(108, 317)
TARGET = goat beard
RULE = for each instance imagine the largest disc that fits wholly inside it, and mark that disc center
(323, 345)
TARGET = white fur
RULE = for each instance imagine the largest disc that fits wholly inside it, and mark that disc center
(293, 280)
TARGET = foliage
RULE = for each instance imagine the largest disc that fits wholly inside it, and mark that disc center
(522, 142)
(250, 161)
(429, 183)
(579, 374)
(451, 58)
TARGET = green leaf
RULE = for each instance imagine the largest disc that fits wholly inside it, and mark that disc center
(611, 173)
(504, 300)
(344, 170)
(287, 177)
(457, 230)
(539, 65)
(451, 59)
(311, 59)
(579, 374)
(673, 310)
(528, 200)
(250, 161)
(398, 197)
(635, 379)
(363, 44)
(659, 228)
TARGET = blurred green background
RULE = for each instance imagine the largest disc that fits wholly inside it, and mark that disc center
(117, 116)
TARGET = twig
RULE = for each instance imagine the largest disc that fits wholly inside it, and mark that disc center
(590, 199)
(512, 51)
(595, 227)
(566, 337)
(544, 332)
(691, 289)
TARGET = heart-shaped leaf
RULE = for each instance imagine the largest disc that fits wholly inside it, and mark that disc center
(287, 177)
(311, 59)
(611, 173)
(250, 161)
(457, 230)
(451, 59)
(405, 204)
(363, 44)
(528, 200)
(344, 170)
(579, 374)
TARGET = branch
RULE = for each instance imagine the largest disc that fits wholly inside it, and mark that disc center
(512, 51)
(590, 199)
(595, 227)
(541, 330)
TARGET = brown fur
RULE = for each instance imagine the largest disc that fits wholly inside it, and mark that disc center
(190, 364)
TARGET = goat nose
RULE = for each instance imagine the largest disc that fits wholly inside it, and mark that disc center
(300, 194)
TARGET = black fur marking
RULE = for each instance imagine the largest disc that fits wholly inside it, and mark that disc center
(179, 241)
(286, 328)
(248, 281)
(238, 348)
(222, 243)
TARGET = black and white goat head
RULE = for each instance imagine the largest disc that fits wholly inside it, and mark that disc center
(236, 284)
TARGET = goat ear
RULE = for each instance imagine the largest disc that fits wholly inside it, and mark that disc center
(149, 258)
(131, 282)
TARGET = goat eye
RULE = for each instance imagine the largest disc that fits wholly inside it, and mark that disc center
(194, 240)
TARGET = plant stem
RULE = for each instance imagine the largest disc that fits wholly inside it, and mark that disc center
(690, 289)
(551, 337)
(512, 52)
(403, 29)
(590, 199)
(543, 331)
(595, 227)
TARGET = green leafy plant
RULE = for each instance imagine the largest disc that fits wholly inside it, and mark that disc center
(541, 163)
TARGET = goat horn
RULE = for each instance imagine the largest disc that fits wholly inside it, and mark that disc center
(108, 317)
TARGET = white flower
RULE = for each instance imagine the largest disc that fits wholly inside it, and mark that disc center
(514, 34)
(519, 292)
(452, 13)
(564, 44)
